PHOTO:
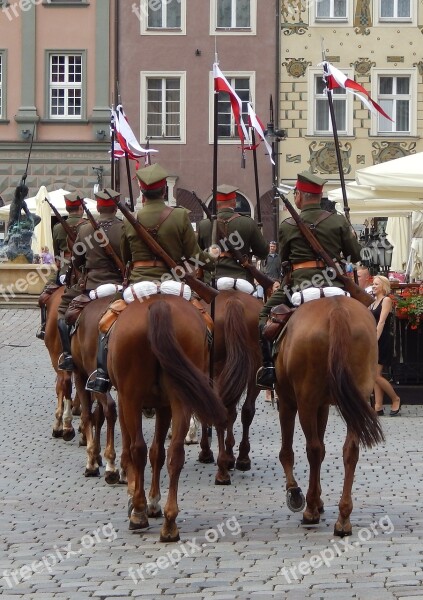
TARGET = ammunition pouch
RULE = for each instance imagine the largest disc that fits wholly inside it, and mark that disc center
(206, 317)
(75, 308)
(46, 293)
(109, 317)
(279, 317)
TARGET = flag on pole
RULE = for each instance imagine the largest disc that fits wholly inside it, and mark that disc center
(125, 136)
(335, 79)
(258, 127)
(221, 84)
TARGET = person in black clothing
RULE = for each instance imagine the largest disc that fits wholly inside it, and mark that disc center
(271, 265)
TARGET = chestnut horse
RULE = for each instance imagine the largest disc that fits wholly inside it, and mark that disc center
(84, 354)
(328, 355)
(63, 415)
(158, 358)
(237, 358)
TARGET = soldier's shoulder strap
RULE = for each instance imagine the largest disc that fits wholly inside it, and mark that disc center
(153, 231)
(325, 214)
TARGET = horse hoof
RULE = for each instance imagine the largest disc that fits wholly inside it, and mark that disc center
(206, 458)
(138, 525)
(154, 514)
(57, 433)
(295, 500)
(111, 477)
(149, 413)
(222, 481)
(340, 532)
(231, 464)
(69, 434)
(312, 521)
(170, 536)
(92, 472)
(243, 465)
(190, 442)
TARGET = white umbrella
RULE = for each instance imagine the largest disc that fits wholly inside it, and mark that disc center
(398, 233)
(57, 198)
(415, 263)
(42, 232)
(402, 174)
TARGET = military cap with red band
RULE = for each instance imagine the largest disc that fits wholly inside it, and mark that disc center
(307, 182)
(226, 192)
(152, 177)
(104, 197)
(73, 200)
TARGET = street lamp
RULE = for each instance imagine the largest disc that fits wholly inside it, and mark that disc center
(376, 253)
(273, 136)
(384, 250)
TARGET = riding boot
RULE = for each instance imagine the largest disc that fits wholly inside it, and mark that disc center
(66, 363)
(42, 331)
(101, 382)
(266, 377)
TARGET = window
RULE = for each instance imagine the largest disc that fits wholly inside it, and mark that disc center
(322, 121)
(1, 86)
(163, 102)
(395, 99)
(165, 17)
(331, 9)
(233, 17)
(394, 10)
(226, 127)
(65, 86)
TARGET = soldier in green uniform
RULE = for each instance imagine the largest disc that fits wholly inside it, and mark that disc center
(241, 231)
(335, 235)
(90, 257)
(62, 254)
(172, 230)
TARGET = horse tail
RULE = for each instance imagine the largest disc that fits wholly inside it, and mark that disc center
(356, 411)
(239, 362)
(190, 384)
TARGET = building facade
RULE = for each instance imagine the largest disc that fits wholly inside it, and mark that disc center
(56, 69)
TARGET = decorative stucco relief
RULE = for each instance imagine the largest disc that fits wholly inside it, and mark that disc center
(362, 17)
(296, 67)
(384, 151)
(323, 157)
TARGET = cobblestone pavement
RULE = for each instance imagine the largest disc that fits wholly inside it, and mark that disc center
(65, 536)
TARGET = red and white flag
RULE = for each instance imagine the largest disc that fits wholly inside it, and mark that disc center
(258, 126)
(335, 78)
(221, 84)
(126, 137)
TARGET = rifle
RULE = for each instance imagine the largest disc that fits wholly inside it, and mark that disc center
(107, 246)
(70, 232)
(25, 175)
(354, 290)
(205, 292)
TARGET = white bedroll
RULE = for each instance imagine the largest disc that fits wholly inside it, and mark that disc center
(308, 294)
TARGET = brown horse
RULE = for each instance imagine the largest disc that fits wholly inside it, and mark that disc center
(158, 358)
(327, 356)
(84, 354)
(63, 415)
(237, 358)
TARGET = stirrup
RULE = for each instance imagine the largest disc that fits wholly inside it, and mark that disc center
(265, 378)
(40, 334)
(66, 363)
(98, 383)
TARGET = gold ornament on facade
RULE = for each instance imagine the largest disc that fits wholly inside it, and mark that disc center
(293, 158)
(385, 151)
(362, 17)
(291, 17)
(362, 66)
(296, 67)
(323, 159)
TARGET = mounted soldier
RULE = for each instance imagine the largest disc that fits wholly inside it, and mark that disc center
(305, 269)
(90, 258)
(242, 232)
(171, 228)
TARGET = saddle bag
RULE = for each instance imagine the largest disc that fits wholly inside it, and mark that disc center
(46, 293)
(109, 317)
(75, 308)
(279, 317)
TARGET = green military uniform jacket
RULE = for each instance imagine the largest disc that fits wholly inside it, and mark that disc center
(61, 250)
(175, 235)
(90, 256)
(245, 236)
(335, 235)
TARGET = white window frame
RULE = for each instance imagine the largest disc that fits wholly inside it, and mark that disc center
(144, 75)
(215, 30)
(251, 75)
(311, 122)
(395, 72)
(346, 21)
(143, 18)
(394, 21)
(2, 85)
(51, 86)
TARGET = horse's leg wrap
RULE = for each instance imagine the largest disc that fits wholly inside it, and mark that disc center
(101, 383)
(265, 377)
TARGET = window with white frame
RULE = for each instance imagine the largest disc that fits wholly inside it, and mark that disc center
(65, 86)
(1, 85)
(226, 126)
(390, 10)
(163, 101)
(320, 123)
(327, 10)
(233, 16)
(166, 17)
(395, 97)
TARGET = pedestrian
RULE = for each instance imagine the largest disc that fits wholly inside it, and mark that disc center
(336, 236)
(46, 257)
(381, 309)
(241, 231)
(364, 279)
(271, 265)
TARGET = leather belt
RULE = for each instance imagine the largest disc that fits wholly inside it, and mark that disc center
(148, 263)
(225, 255)
(309, 264)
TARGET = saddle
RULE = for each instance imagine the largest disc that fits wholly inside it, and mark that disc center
(279, 317)
(75, 308)
(46, 293)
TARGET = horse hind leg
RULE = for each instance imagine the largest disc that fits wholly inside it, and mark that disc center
(294, 495)
(243, 462)
(315, 451)
(68, 430)
(111, 474)
(58, 414)
(350, 455)
(157, 456)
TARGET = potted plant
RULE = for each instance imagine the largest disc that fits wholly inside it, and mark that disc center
(409, 306)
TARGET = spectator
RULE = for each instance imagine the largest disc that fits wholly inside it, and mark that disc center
(46, 257)
(271, 266)
(364, 280)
